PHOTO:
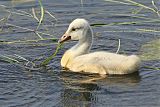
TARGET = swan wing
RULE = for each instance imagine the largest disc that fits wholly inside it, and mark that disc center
(105, 63)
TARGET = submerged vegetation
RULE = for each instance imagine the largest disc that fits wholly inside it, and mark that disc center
(151, 50)
(35, 15)
(39, 17)
(135, 13)
(137, 4)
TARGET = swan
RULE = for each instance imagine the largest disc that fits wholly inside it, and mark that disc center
(79, 59)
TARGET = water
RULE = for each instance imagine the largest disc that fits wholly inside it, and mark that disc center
(50, 87)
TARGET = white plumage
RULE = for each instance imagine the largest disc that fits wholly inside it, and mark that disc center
(78, 58)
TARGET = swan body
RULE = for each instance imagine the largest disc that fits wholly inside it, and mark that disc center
(78, 58)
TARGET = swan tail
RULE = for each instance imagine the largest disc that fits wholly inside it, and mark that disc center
(133, 64)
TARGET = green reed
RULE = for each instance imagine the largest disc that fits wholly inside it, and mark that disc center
(46, 61)
(134, 14)
(33, 15)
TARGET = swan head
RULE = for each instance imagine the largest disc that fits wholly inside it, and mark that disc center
(77, 30)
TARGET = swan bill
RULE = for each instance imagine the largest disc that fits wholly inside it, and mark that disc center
(64, 38)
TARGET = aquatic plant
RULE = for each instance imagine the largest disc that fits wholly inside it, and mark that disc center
(134, 3)
(39, 16)
(33, 15)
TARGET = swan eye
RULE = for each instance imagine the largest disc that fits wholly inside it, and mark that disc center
(73, 29)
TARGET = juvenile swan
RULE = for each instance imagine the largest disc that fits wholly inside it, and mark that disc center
(78, 58)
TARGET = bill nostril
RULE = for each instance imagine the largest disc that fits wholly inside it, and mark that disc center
(64, 36)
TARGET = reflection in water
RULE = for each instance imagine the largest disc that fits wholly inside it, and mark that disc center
(79, 89)
(43, 88)
(74, 97)
(123, 80)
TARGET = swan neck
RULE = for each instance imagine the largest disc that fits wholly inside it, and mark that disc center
(84, 45)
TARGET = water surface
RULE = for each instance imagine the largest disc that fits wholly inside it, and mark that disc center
(51, 87)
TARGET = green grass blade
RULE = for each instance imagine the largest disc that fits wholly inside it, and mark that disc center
(131, 2)
(154, 68)
(8, 59)
(34, 14)
(42, 13)
(46, 61)
(140, 5)
(121, 2)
